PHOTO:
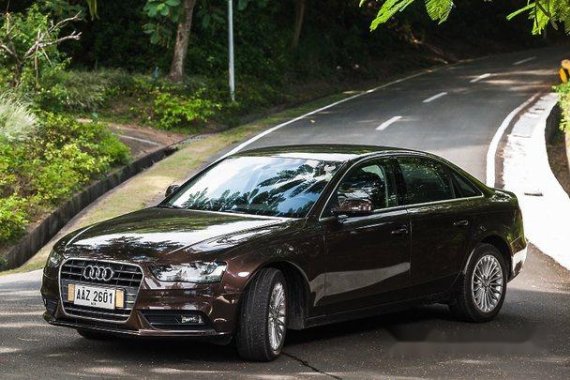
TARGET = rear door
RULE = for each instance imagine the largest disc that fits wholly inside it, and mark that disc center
(441, 221)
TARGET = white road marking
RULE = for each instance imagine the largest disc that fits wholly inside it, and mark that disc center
(523, 61)
(437, 96)
(492, 152)
(277, 127)
(480, 77)
(387, 123)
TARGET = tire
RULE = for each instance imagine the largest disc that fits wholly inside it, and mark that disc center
(484, 304)
(254, 338)
(94, 335)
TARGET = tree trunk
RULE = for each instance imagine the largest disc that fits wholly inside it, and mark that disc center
(300, 6)
(182, 40)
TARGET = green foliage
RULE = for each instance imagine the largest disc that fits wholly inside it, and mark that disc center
(388, 10)
(541, 12)
(59, 9)
(57, 160)
(564, 101)
(17, 122)
(84, 91)
(544, 12)
(174, 111)
(13, 219)
(163, 15)
(439, 9)
(28, 46)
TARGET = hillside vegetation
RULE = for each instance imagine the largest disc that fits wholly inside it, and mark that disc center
(62, 60)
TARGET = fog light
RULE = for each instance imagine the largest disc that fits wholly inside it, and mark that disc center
(191, 319)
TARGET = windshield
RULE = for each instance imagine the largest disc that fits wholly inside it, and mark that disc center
(271, 186)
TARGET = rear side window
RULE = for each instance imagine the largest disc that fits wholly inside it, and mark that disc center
(464, 188)
(425, 181)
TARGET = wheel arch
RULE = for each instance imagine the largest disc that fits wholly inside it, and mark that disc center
(502, 246)
(297, 291)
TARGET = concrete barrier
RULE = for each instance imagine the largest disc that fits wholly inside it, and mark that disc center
(544, 203)
(50, 226)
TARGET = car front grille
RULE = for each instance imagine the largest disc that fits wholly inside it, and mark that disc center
(126, 277)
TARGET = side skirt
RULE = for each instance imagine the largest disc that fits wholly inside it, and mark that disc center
(343, 316)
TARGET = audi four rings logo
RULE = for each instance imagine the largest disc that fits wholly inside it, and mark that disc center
(97, 273)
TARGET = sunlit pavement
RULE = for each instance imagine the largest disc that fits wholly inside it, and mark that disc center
(529, 339)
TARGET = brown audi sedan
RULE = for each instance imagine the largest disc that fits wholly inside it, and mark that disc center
(289, 238)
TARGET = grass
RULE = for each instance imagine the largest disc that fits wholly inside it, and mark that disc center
(151, 184)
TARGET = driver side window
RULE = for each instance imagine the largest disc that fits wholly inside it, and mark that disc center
(373, 182)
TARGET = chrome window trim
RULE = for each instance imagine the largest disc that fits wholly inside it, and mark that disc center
(395, 208)
(101, 261)
(336, 186)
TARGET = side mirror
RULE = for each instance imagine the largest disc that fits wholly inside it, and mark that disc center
(354, 207)
(171, 189)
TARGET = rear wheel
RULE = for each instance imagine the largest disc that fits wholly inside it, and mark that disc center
(263, 317)
(94, 335)
(481, 291)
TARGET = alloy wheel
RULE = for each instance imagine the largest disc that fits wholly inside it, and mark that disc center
(487, 283)
(276, 317)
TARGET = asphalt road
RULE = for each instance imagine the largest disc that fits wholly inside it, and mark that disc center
(529, 339)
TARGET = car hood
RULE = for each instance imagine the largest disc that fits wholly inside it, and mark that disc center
(160, 233)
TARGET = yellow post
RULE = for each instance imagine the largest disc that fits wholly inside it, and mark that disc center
(565, 70)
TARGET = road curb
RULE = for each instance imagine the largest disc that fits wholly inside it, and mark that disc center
(544, 203)
(53, 223)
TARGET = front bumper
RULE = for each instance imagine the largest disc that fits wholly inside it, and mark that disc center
(159, 311)
(208, 334)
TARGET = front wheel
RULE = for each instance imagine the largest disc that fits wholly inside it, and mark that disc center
(481, 291)
(263, 317)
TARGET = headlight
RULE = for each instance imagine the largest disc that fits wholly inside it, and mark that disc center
(199, 272)
(54, 260)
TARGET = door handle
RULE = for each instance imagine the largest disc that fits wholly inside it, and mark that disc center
(400, 231)
(461, 223)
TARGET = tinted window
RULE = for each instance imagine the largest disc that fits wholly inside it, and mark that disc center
(425, 180)
(464, 188)
(273, 186)
(374, 182)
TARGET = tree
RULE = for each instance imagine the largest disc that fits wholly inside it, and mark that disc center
(163, 13)
(300, 7)
(541, 12)
(28, 41)
(182, 41)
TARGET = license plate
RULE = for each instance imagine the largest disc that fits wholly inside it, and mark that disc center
(93, 296)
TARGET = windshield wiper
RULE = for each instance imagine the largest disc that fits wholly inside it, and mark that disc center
(230, 211)
(169, 206)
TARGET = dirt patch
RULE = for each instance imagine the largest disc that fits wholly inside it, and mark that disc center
(559, 160)
(144, 140)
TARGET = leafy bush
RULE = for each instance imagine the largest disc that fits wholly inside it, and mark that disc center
(16, 120)
(30, 40)
(564, 101)
(173, 111)
(57, 160)
(13, 219)
(85, 91)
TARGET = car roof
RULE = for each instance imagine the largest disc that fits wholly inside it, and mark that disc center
(324, 152)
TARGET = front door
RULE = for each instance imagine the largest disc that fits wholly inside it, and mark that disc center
(368, 256)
